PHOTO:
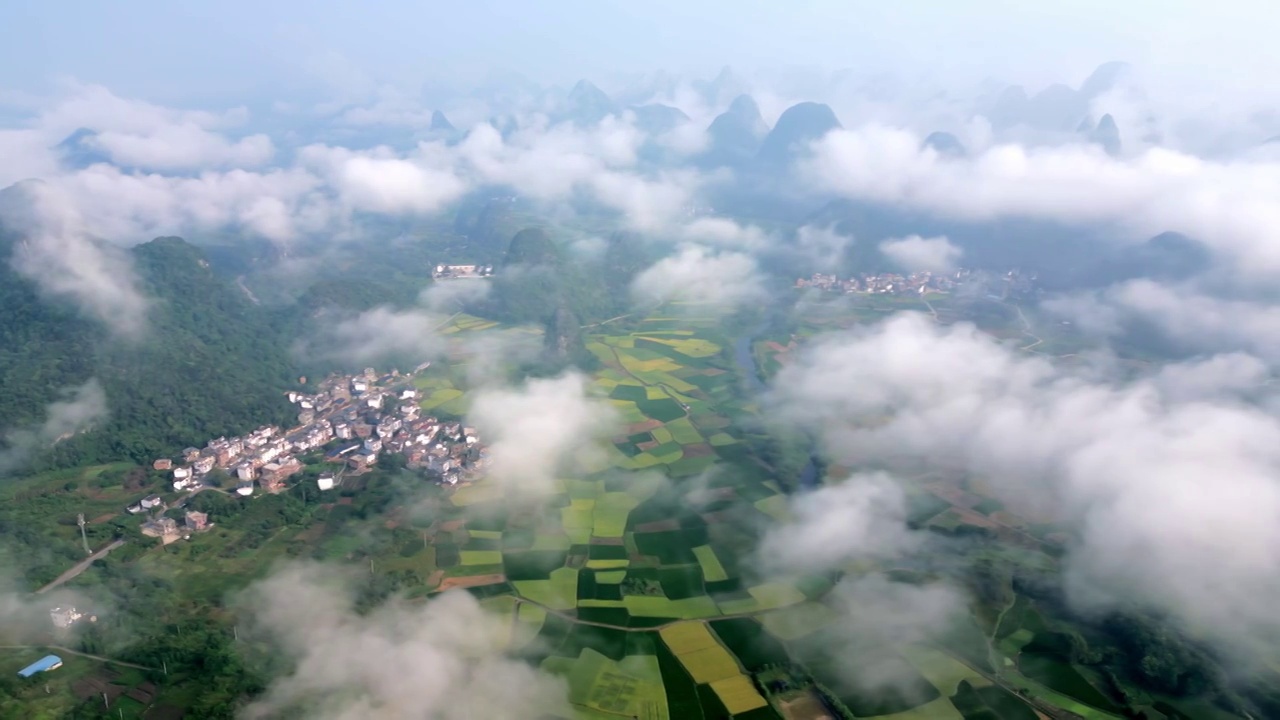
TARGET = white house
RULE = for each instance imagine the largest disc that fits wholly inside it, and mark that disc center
(325, 481)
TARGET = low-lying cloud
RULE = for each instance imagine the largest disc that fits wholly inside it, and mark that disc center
(1189, 316)
(725, 280)
(1226, 205)
(445, 658)
(862, 516)
(1171, 497)
(538, 431)
(56, 251)
(78, 410)
(918, 254)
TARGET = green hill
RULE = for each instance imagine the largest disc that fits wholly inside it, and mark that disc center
(210, 362)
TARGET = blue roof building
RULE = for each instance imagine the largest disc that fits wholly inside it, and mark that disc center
(48, 662)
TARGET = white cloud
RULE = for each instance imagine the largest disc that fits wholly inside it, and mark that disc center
(823, 247)
(917, 254)
(445, 658)
(1227, 205)
(125, 208)
(378, 181)
(1171, 496)
(182, 147)
(726, 280)
(540, 430)
(1186, 314)
(57, 253)
(863, 516)
(724, 232)
(384, 333)
(79, 409)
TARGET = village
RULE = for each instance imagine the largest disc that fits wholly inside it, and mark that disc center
(352, 419)
(447, 272)
(997, 287)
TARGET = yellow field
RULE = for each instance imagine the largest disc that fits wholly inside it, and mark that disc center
(481, 557)
(798, 621)
(558, 593)
(658, 606)
(687, 637)
(775, 506)
(478, 493)
(942, 670)
(710, 664)
(693, 347)
(775, 595)
(712, 570)
(610, 516)
(738, 694)
(607, 564)
(643, 366)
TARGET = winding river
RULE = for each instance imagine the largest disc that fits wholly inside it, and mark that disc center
(746, 362)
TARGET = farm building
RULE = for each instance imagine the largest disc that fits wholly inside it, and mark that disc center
(44, 664)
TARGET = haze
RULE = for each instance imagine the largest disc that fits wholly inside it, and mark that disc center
(242, 51)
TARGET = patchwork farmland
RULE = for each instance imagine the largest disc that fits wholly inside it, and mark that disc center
(635, 582)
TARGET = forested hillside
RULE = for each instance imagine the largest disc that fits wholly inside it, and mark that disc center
(209, 363)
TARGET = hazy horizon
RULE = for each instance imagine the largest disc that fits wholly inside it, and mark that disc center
(237, 51)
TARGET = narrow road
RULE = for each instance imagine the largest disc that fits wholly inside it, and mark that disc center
(650, 628)
(80, 567)
(252, 298)
(1026, 325)
(69, 651)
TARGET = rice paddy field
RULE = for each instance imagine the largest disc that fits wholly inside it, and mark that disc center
(636, 584)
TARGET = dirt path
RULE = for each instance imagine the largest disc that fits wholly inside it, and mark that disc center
(252, 298)
(77, 653)
(80, 567)
(1026, 330)
(651, 628)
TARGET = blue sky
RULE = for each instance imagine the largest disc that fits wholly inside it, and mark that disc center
(236, 49)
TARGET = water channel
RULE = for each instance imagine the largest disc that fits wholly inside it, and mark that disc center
(746, 362)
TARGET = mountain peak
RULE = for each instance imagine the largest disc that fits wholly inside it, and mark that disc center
(588, 104)
(440, 122)
(1105, 134)
(734, 136)
(656, 118)
(799, 125)
(1103, 78)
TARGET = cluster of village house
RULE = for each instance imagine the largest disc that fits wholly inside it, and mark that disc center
(920, 282)
(358, 416)
(885, 283)
(462, 271)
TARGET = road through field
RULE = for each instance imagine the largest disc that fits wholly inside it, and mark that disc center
(80, 567)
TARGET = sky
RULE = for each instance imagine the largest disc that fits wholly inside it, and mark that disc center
(209, 52)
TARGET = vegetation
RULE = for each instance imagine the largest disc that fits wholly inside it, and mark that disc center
(211, 363)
